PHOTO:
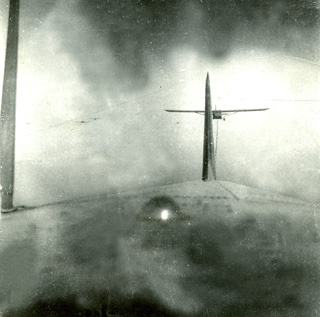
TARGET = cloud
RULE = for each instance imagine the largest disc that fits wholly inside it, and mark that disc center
(126, 61)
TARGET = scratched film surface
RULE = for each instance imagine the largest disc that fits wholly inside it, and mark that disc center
(94, 79)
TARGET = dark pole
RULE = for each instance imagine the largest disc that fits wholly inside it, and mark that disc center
(8, 109)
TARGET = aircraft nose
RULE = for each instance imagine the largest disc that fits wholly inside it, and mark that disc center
(161, 208)
(161, 223)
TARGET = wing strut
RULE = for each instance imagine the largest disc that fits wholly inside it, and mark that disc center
(8, 110)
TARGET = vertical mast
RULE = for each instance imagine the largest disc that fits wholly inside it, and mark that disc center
(8, 109)
(209, 166)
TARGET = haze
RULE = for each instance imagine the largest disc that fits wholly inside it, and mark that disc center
(96, 76)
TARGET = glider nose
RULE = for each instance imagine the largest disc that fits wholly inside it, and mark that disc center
(161, 208)
(162, 223)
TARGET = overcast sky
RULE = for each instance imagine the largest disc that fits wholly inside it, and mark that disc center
(95, 78)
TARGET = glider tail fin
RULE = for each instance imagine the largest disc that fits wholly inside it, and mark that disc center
(209, 164)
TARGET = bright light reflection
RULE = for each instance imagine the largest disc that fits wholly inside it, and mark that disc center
(164, 214)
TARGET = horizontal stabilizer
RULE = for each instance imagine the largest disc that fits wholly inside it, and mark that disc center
(221, 111)
(243, 110)
(194, 111)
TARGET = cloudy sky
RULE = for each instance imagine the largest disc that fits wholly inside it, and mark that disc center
(95, 78)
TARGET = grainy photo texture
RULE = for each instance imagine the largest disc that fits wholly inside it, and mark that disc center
(159, 158)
